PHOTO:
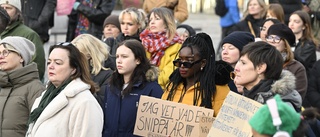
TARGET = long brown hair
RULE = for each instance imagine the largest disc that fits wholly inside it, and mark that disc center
(307, 32)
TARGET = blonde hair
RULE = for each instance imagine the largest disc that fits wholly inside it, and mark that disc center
(168, 20)
(95, 48)
(137, 16)
(262, 4)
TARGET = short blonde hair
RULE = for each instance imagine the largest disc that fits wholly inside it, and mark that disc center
(136, 15)
(95, 49)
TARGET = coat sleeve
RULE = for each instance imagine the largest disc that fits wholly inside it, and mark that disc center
(156, 91)
(301, 81)
(306, 55)
(39, 55)
(313, 94)
(166, 66)
(181, 11)
(99, 13)
(46, 13)
(86, 120)
(35, 91)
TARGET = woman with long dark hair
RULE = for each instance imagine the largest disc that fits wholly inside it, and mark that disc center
(193, 82)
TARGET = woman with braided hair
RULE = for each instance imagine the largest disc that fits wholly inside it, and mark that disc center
(193, 82)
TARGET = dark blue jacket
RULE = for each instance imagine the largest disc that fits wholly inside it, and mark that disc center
(120, 112)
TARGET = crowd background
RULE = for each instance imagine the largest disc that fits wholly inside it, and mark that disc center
(201, 18)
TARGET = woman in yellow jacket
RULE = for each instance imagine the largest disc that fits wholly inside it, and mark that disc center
(193, 82)
(161, 42)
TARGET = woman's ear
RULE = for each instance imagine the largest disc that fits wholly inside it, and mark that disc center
(138, 61)
(261, 68)
(203, 63)
(73, 71)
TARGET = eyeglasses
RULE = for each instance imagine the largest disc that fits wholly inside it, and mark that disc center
(186, 64)
(275, 39)
(5, 52)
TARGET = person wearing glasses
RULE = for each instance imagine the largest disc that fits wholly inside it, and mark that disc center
(193, 81)
(265, 26)
(134, 76)
(161, 42)
(282, 37)
(67, 108)
(259, 70)
(16, 27)
(20, 85)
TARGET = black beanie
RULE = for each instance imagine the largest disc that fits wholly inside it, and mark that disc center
(238, 39)
(283, 31)
(112, 19)
(188, 28)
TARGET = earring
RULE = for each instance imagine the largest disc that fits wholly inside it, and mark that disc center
(201, 68)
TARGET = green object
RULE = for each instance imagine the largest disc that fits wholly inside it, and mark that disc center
(262, 122)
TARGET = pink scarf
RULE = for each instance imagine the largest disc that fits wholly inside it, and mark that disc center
(157, 43)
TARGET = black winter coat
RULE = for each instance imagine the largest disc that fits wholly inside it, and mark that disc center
(243, 25)
(114, 43)
(101, 79)
(96, 15)
(313, 93)
(38, 15)
(305, 53)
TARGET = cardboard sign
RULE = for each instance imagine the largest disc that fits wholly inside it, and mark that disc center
(232, 120)
(205, 125)
(156, 117)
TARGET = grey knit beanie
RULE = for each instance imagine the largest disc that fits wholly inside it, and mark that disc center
(24, 46)
(15, 3)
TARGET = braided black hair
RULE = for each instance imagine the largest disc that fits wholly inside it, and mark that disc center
(207, 88)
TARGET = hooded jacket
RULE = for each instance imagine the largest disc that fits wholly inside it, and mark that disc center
(120, 111)
(285, 87)
(19, 89)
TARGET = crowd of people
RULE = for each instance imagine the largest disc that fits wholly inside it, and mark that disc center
(96, 77)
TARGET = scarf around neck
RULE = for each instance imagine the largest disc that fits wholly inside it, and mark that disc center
(50, 94)
(262, 86)
(157, 43)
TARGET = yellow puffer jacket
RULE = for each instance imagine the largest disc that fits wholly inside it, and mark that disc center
(166, 64)
(217, 100)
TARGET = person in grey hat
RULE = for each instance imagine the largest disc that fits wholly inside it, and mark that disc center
(111, 27)
(17, 28)
(20, 85)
